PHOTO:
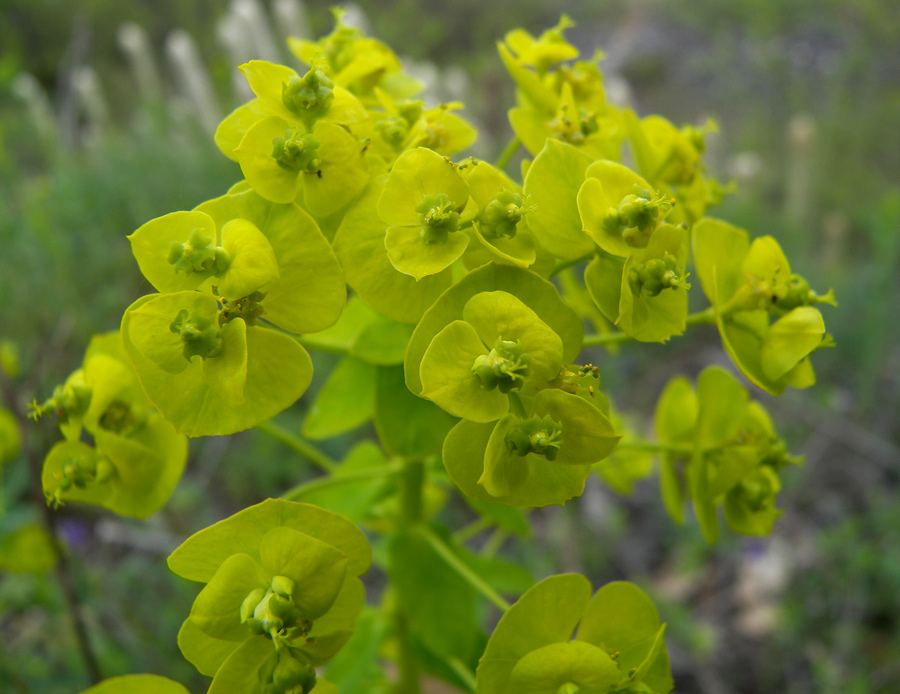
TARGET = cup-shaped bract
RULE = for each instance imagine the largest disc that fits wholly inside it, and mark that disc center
(736, 454)
(279, 575)
(551, 184)
(619, 209)
(305, 99)
(500, 231)
(327, 164)
(499, 346)
(310, 292)
(137, 684)
(210, 374)
(359, 63)
(537, 294)
(618, 646)
(359, 244)
(534, 458)
(646, 295)
(136, 457)
(423, 204)
(748, 283)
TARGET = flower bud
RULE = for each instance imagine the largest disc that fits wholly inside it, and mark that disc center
(536, 435)
(309, 95)
(199, 335)
(505, 367)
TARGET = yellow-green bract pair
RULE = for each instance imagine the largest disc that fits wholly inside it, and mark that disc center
(732, 455)
(492, 350)
(225, 270)
(282, 594)
(136, 458)
(747, 283)
(618, 645)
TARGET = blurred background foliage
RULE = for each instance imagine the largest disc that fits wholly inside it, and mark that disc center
(807, 94)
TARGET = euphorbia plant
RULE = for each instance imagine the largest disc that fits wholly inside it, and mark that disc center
(461, 337)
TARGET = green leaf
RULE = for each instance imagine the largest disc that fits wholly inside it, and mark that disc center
(217, 609)
(407, 425)
(546, 614)
(722, 406)
(439, 606)
(29, 548)
(504, 471)
(587, 433)
(676, 412)
(203, 651)
(137, 684)
(198, 557)
(239, 674)
(351, 499)
(261, 169)
(622, 618)
(654, 318)
(410, 254)
(359, 243)
(346, 401)
(536, 293)
(355, 670)
(383, 341)
(552, 183)
(789, 340)
(235, 125)
(545, 670)
(671, 488)
(448, 380)
(317, 568)
(603, 279)
(343, 171)
(227, 375)
(719, 251)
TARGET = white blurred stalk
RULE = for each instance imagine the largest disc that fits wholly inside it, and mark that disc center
(90, 103)
(26, 87)
(291, 19)
(192, 79)
(135, 44)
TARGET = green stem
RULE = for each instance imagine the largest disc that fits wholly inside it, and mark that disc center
(652, 447)
(494, 542)
(705, 317)
(469, 531)
(412, 479)
(337, 480)
(566, 264)
(511, 147)
(455, 563)
(463, 671)
(295, 443)
(600, 339)
(516, 406)
(312, 342)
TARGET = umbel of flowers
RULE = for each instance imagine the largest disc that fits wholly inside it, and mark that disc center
(457, 296)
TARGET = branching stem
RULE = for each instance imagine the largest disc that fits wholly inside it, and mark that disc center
(295, 443)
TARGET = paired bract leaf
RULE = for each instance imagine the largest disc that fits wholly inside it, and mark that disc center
(619, 642)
